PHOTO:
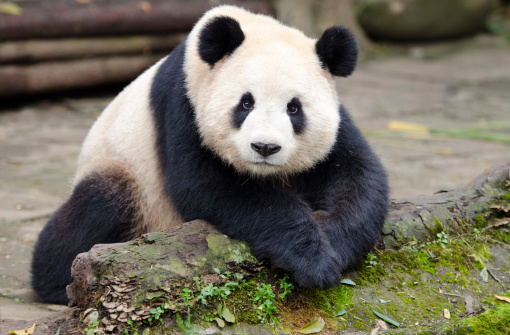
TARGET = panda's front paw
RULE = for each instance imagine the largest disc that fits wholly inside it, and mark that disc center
(324, 272)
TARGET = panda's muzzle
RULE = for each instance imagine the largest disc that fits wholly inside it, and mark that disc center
(264, 149)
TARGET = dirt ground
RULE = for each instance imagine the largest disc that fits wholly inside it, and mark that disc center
(442, 86)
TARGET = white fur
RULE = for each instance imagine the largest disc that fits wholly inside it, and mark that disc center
(275, 63)
(124, 137)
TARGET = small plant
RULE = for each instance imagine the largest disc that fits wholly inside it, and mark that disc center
(186, 327)
(239, 258)
(156, 314)
(264, 300)
(286, 287)
(371, 259)
(132, 330)
(442, 239)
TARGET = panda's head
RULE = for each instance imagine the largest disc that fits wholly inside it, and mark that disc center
(263, 93)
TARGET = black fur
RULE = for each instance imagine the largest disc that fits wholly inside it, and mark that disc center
(218, 38)
(240, 112)
(338, 51)
(298, 119)
(329, 218)
(100, 210)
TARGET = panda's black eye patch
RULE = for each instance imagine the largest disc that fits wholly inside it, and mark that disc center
(297, 117)
(243, 108)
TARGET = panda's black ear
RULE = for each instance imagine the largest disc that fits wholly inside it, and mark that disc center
(338, 51)
(221, 36)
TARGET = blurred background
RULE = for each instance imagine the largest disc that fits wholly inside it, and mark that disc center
(431, 93)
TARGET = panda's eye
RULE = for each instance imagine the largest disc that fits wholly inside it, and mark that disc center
(293, 108)
(247, 104)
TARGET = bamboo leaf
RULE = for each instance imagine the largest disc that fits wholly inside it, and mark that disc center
(346, 281)
(387, 319)
(341, 312)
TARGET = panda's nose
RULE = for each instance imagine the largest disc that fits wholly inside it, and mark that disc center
(265, 149)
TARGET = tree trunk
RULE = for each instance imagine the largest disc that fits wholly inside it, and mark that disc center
(110, 18)
(124, 281)
(53, 76)
(28, 51)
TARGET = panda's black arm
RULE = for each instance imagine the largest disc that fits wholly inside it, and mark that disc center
(276, 223)
(350, 195)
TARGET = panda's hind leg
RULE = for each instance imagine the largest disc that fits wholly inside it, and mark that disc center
(103, 208)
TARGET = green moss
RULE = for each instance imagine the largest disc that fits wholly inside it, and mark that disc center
(506, 197)
(331, 300)
(480, 221)
(491, 322)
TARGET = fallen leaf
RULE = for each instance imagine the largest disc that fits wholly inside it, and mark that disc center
(346, 281)
(341, 312)
(384, 301)
(357, 318)
(387, 319)
(502, 298)
(468, 300)
(485, 275)
(220, 322)
(229, 317)
(405, 126)
(28, 331)
(315, 326)
(10, 8)
(447, 313)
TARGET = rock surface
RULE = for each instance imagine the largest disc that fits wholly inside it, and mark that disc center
(422, 20)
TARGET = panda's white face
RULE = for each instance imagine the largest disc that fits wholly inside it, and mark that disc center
(269, 108)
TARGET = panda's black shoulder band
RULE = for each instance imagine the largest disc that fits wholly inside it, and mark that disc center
(221, 36)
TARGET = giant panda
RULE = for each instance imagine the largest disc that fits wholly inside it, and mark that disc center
(241, 126)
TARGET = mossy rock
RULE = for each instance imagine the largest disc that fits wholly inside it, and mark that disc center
(422, 20)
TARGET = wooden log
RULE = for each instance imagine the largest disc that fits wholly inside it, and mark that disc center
(418, 218)
(126, 277)
(58, 49)
(132, 17)
(54, 76)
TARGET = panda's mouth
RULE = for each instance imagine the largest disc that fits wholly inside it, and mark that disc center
(266, 163)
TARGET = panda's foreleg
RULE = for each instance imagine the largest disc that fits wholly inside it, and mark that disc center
(354, 215)
(101, 209)
(277, 224)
